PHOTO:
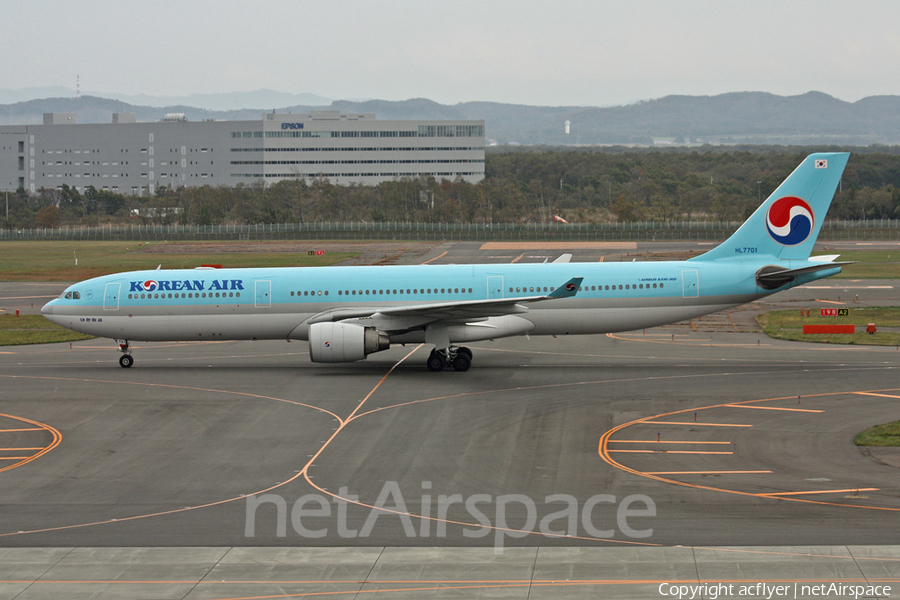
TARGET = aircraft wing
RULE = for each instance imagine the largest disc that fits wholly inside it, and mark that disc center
(404, 318)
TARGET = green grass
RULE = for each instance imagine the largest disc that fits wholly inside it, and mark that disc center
(872, 264)
(55, 261)
(887, 434)
(788, 325)
(34, 329)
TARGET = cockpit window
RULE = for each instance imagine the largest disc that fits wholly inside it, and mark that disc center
(73, 296)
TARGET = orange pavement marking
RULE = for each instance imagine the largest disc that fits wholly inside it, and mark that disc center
(663, 442)
(694, 423)
(774, 408)
(821, 492)
(605, 455)
(433, 259)
(879, 395)
(669, 452)
(705, 472)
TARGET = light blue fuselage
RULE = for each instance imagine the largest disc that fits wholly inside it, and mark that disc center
(278, 303)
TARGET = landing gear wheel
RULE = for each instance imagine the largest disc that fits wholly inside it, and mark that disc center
(462, 361)
(436, 362)
(125, 361)
(466, 351)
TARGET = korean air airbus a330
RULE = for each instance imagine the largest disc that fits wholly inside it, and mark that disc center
(347, 313)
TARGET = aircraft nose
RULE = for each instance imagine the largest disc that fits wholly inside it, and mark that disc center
(47, 309)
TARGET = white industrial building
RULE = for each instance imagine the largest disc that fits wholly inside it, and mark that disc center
(128, 157)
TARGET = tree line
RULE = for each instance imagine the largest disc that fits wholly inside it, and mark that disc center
(520, 186)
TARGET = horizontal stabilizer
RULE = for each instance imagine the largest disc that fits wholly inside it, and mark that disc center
(774, 276)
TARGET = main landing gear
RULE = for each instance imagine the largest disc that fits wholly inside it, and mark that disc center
(460, 358)
(126, 360)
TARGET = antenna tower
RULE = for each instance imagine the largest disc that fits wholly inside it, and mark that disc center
(78, 87)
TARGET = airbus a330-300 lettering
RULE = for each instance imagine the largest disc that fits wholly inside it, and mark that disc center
(347, 313)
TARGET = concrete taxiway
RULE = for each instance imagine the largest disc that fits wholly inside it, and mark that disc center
(616, 463)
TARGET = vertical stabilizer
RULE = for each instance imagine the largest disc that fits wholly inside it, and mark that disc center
(787, 224)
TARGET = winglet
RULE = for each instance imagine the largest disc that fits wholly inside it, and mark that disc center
(568, 289)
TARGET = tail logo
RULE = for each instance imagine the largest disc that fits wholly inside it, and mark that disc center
(790, 221)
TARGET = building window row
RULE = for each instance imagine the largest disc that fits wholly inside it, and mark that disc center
(355, 162)
(330, 175)
(451, 131)
(423, 131)
(368, 149)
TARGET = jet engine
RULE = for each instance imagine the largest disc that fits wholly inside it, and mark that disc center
(344, 342)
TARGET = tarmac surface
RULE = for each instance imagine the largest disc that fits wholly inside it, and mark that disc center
(602, 464)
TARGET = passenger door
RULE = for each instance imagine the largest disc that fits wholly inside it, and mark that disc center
(111, 296)
(495, 286)
(263, 294)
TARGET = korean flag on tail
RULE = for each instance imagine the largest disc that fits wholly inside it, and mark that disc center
(821, 163)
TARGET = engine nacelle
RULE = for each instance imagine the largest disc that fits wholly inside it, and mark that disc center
(344, 342)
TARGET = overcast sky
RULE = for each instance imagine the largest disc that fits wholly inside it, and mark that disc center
(554, 52)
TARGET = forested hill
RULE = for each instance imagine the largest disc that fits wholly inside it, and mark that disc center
(735, 118)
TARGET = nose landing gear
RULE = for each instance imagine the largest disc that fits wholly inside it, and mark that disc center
(126, 360)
